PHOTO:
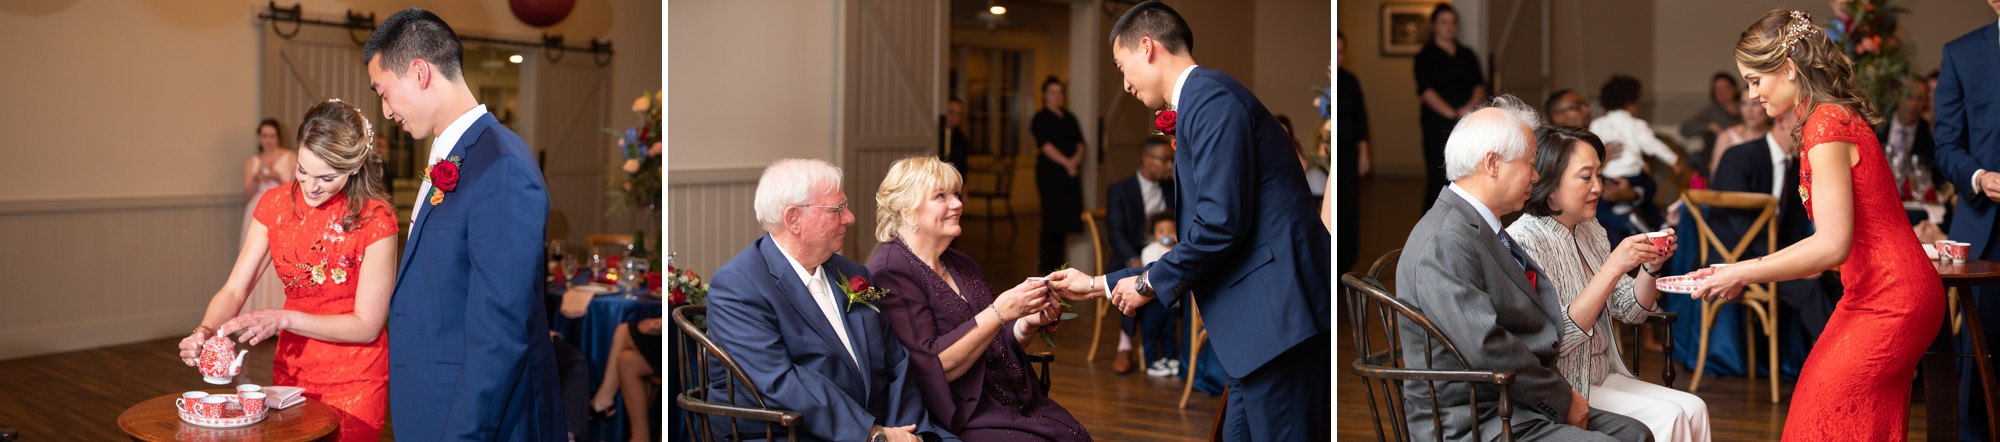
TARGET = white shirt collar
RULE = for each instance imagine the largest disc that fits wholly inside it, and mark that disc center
(1492, 222)
(1174, 101)
(1777, 152)
(805, 275)
(441, 145)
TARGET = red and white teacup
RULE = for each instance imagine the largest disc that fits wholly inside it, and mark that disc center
(253, 402)
(219, 361)
(188, 399)
(211, 407)
(246, 388)
(1957, 250)
(1659, 239)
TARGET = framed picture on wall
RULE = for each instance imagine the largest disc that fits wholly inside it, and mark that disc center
(1405, 25)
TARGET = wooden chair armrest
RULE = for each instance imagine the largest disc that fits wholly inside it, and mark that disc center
(786, 418)
(1502, 378)
(1661, 317)
(1041, 357)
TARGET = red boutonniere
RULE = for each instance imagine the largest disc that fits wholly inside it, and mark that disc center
(1531, 281)
(1165, 121)
(860, 292)
(443, 176)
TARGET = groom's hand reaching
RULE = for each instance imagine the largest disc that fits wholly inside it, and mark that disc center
(1127, 296)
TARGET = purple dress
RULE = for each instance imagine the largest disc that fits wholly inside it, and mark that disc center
(998, 398)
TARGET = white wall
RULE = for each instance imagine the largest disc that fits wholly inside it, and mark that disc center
(1293, 47)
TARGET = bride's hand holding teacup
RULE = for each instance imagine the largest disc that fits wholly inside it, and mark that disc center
(256, 325)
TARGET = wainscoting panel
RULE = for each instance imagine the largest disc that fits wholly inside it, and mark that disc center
(710, 218)
(90, 273)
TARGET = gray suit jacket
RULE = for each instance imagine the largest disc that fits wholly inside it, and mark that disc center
(1454, 270)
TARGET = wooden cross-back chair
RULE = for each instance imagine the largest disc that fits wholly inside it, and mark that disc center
(1760, 300)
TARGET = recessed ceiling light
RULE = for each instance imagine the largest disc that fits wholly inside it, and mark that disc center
(997, 10)
(516, 58)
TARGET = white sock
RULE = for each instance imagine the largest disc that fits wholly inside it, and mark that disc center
(1124, 342)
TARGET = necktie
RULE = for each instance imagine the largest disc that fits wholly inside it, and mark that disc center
(1508, 242)
(817, 286)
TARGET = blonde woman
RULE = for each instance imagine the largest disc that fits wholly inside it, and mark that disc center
(964, 339)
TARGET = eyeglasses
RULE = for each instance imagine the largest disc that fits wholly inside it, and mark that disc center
(830, 210)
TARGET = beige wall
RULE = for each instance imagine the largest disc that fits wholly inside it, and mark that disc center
(1389, 87)
(1694, 37)
(128, 123)
(753, 83)
(1293, 46)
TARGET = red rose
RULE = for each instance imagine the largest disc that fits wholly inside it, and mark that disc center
(444, 176)
(653, 282)
(1164, 122)
(675, 297)
(856, 284)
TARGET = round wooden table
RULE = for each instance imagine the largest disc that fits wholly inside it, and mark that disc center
(157, 420)
(1940, 362)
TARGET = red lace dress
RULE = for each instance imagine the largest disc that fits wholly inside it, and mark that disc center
(320, 265)
(1856, 382)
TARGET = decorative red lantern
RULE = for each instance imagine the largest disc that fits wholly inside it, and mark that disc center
(541, 13)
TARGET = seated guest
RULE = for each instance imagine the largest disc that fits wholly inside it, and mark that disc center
(1754, 126)
(964, 339)
(1908, 134)
(1455, 270)
(1130, 201)
(634, 355)
(1596, 284)
(1770, 165)
(780, 309)
(1627, 141)
(1567, 108)
(1724, 110)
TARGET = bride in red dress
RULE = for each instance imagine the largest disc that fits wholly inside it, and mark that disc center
(331, 238)
(1856, 383)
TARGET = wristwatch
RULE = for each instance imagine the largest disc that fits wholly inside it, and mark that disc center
(1143, 286)
(877, 435)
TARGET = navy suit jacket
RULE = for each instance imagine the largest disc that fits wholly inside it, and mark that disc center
(1125, 218)
(469, 351)
(1968, 132)
(1251, 252)
(761, 314)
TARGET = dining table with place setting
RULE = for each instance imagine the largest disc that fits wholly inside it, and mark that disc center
(590, 299)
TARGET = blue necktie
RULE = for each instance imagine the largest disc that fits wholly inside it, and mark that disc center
(1508, 242)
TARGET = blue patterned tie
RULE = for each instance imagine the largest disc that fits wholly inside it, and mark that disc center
(1508, 242)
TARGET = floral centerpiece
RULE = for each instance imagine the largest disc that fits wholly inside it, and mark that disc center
(1868, 32)
(639, 184)
(683, 286)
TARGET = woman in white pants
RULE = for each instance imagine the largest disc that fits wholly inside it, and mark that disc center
(1595, 284)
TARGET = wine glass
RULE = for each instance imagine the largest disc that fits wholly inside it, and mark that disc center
(597, 264)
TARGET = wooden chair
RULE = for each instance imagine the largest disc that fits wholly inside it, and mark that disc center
(693, 345)
(1383, 370)
(1760, 299)
(1001, 173)
(1093, 221)
(1197, 336)
(602, 239)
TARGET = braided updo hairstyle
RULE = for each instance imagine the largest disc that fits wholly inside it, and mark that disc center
(338, 133)
(1825, 75)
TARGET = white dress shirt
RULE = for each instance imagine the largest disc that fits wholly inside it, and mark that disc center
(1902, 137)
(1174, 100)
(1621, 127)
(826, 298)
(440, 147)
(1492, 222)
(1150, 194)
(1778, 159)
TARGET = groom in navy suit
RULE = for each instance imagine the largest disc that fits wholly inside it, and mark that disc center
(1252, 252)
(1968, 152)
(779, 308)
(469, 350)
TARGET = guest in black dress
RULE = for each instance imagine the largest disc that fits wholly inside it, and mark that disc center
(953, 145)
(1058, 172)
(1353, 148)
(964, 340)
(1449, 82)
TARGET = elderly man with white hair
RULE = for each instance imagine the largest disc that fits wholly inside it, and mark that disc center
(783, 310)
(1461, 270)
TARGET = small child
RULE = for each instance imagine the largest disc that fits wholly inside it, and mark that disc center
(1157, 323)
(1161, 240)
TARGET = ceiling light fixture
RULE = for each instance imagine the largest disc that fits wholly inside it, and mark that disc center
(997, 10)
(515, 59)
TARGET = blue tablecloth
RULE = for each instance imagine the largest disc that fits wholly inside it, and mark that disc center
(594, 334)
(1726, 339)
